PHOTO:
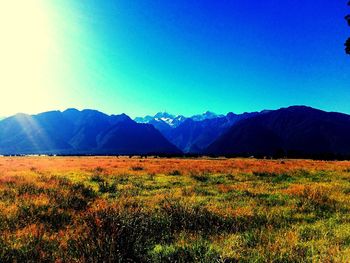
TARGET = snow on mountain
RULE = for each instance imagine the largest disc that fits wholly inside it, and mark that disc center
(206, 116)
(145, 119)
(163, 118)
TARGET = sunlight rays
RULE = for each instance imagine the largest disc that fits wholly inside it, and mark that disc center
(33, 131)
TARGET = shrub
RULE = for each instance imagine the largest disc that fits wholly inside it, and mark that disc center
(29, 189)
(137, 168)
(105, 187)
(175, 173)
(264, 174)
(84, 191)
(98, 170)
(96, 178)
(203, 178)
(282, 178)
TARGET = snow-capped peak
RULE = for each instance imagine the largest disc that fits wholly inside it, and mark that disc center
(162, 118)
(173, 121)
(205, 115)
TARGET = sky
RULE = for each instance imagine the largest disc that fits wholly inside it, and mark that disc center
(184, 57)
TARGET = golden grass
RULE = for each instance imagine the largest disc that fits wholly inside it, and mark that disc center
(78, 209)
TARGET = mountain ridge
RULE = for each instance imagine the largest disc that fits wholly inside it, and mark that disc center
(293, 132)
(80, 132)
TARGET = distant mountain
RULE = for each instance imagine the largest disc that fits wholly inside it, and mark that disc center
(296, 131)
(80, 132)
(195, 134)
(208, 115)
(145, 119)
(162, 121)
(173, 121)
(183, 131)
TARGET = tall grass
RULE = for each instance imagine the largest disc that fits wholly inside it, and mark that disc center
(106, 209)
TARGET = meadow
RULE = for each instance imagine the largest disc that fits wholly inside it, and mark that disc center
(118, 209)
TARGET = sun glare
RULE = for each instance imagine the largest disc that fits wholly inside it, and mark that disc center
(25, 47)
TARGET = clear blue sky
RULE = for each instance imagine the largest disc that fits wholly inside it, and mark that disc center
(183, 56)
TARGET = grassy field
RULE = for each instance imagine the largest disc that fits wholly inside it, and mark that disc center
(109, 209)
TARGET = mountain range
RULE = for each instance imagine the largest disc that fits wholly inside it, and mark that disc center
(80, 132)
(165, 121)
(296, 131)
(190, 134)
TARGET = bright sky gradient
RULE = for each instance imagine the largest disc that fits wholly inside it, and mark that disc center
(183, 56)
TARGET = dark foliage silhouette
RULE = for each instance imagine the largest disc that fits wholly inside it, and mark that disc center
(347, 43)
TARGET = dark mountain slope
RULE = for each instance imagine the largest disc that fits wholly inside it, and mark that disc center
(88, 124)
(296, 131)
(129, 137)
(80, 132)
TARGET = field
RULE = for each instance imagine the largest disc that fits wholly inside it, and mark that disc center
(109, 209)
